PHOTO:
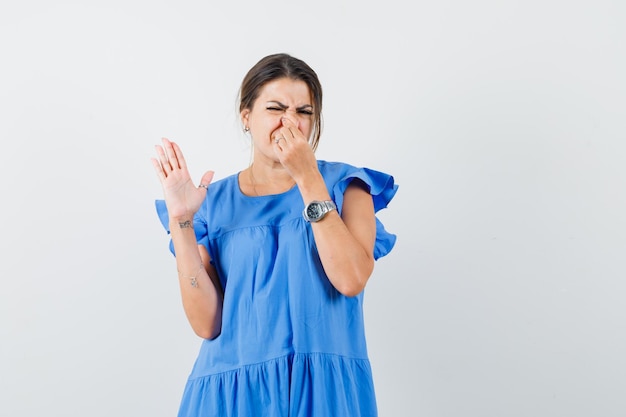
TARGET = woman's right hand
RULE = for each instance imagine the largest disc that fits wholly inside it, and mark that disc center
(182, 198)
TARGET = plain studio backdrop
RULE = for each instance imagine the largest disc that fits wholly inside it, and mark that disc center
(503, 122)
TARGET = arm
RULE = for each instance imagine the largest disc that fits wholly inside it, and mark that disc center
(200, 288)
(199, 285)
(345, 243)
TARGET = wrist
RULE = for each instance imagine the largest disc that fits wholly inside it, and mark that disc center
(317, 210)
(313, 187)
(182, 222)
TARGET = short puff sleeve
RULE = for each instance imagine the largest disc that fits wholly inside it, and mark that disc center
(382, 188)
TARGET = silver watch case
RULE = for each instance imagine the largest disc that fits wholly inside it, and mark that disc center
(316, 210)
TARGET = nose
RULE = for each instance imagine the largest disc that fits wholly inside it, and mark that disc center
(293, 119)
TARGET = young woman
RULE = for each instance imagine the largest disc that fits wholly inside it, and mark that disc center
(273, 260)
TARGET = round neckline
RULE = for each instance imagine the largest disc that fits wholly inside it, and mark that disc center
(242, 194)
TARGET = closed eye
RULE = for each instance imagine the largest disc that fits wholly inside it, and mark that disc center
(279, 107)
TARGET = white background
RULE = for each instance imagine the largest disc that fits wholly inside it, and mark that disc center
(502, 121)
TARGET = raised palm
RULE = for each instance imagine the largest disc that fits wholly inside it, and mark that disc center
(183, 199)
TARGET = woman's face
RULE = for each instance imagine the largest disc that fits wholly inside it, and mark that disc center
(278, 99)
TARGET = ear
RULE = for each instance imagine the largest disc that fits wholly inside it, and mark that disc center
(245, 113)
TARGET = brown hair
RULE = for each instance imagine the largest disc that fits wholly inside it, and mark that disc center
(276, 66)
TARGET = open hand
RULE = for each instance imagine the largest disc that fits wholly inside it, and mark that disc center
(182, 198)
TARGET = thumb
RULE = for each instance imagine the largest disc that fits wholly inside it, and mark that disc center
(206, 179)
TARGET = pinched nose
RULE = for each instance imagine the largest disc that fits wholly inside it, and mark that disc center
(294, 120)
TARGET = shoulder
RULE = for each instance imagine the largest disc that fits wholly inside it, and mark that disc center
(334, 170)
(219, 192)
(225, 183)
(339, 175)
(226, 187)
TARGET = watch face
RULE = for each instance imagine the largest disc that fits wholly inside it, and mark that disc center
(314, 210)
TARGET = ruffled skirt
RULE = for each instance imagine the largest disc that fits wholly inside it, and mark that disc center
(297, 385)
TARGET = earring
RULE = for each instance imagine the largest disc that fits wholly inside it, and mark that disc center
(246, 129)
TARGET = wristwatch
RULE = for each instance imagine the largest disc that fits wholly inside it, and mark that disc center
(316, 210)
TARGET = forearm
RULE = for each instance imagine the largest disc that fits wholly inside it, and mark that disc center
(199, 287)
(346, 255)
(346, 263)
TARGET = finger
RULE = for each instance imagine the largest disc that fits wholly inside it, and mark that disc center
(165, 163)
(158, 169)
(206, 180)
(285, 131)
(171, 155)
(291, 128)
(287, 122)
(179, 156)
(279, 142)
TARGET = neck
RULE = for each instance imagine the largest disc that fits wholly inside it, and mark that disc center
(265, 180)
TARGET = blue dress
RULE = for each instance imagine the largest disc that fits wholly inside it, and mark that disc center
(291, 344)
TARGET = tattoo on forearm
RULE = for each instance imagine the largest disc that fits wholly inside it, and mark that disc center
(185, 225)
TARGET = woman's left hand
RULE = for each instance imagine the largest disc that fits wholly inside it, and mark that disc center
(294, 151)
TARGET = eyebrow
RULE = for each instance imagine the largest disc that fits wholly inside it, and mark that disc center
(283, 106)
